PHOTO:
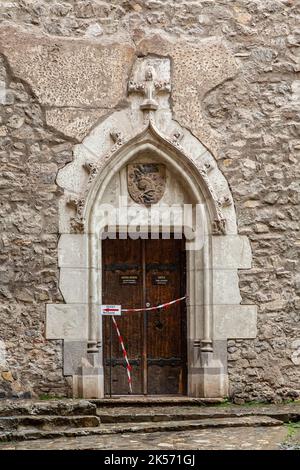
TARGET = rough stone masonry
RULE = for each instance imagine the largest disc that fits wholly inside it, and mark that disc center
(64, 67)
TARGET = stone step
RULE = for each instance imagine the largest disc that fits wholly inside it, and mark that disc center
(46, 423)
(133, 414)
(146, 401)
(149, 427)
(154, 414)
(50, 407)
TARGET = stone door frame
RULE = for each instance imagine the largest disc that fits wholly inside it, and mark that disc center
(199, 305)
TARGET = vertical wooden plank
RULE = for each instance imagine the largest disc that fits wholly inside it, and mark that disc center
(144, 314)
(165, 332)
(122, 259)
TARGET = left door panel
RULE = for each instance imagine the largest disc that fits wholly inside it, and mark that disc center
(122, 283)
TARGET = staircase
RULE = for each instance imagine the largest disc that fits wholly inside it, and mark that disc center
(28, 420)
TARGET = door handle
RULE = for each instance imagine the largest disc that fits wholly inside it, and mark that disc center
(148, 304)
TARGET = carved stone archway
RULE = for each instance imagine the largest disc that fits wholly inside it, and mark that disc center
(95, 177)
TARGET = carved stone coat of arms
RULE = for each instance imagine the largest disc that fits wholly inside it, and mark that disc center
(146, 182)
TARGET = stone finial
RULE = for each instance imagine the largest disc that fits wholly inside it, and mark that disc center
(149, 88)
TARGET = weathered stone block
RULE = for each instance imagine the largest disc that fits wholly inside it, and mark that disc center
(226, 287)
(69, 72)
(69, 322)
(74, 352)
(234, 321)
(72, 251)
(231, 251)
(90, 383)
(73, 283)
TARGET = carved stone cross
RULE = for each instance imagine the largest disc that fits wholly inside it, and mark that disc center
(149, 88)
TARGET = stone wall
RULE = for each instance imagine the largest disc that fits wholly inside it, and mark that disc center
(65, 66)
(31, 155)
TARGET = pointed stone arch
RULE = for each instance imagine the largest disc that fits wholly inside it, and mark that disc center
(193, 169)
(214, 310)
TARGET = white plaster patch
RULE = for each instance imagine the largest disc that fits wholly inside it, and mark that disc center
(296, 91)
(295, 356)
(3, 362)
(2, 92)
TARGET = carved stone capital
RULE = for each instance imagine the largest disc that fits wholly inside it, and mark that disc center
(219, 226)
(77, 224)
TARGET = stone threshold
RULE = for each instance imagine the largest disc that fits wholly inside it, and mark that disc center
(141, 400)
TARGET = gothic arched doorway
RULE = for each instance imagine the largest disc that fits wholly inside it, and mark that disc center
(97, 179)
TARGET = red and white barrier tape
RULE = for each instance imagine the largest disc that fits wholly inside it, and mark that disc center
(161, 306)
(157, 307)
(128, 366)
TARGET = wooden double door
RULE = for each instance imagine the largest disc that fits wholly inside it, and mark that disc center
(139, 273)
